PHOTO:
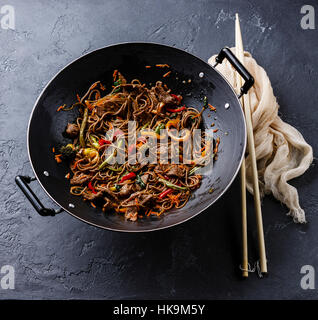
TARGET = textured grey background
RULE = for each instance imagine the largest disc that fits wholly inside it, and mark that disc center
(61, 257)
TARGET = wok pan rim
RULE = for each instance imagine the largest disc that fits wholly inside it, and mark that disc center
(152, 229)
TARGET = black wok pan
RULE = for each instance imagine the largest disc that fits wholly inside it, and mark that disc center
(46, 125)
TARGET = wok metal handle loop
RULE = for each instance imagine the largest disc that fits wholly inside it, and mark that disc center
(23, 183)
(228, 54)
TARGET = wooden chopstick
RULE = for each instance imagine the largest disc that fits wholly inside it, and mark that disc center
(244, 266)
(251, 148)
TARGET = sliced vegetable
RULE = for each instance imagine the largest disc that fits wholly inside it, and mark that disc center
(61, 107)
(93, 205)
(179, 98)
(103, 165)
(58, 158)
(165, 193)
(68, 152)
(117, 83)
(140, 182)
(162, 65)
(94, 141)
(130, 175)
(115, 74)
(110, 157)
(159, 127)
(172, 123)
(90, 152)
(115, 188)
(75, 165)
(101, 142)
(88, 105)
(193, 170)
(117, 89)
(175, 199)
(205, 101)
(205, 104)
(115, 169)
(90, 186)
(171, 185)
(145, 126)
(212, 108)
(176, 110)
(83, 125)
(216, 149)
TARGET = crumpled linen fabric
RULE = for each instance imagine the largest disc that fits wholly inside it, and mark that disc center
(281, 151)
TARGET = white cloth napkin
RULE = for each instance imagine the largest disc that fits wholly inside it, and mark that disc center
(281, 151)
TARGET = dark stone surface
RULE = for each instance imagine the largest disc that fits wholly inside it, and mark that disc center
(61, 257)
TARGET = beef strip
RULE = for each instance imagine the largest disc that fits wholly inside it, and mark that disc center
(72, 130)
(125, 190)
(131, 214)
(112, 195)
(144, 198)
(76, 180)
(175, 170)
(134, 195)
(144, 178)
(90, 196)
(107, 103)
(163, 96)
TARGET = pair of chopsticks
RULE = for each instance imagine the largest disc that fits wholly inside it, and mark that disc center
(245, 101)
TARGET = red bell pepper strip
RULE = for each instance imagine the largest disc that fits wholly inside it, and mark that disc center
(101, 142)
(128, 176)
(164, 193)
(176, 110)
(90, 186)
(179, 98)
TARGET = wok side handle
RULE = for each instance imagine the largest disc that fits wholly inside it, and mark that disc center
(228, 54)
(23, 184)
